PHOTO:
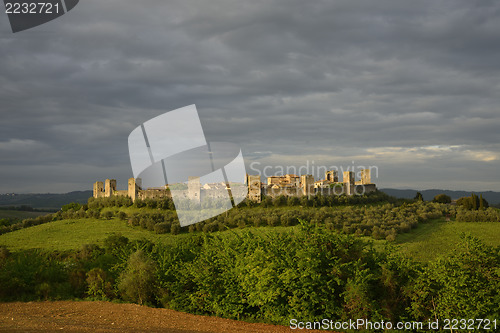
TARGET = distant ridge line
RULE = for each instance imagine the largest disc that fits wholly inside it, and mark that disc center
(44, 200)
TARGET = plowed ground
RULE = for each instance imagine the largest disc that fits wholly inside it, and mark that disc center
(69, 316)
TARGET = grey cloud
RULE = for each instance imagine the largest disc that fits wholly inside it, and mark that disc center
(283, 79)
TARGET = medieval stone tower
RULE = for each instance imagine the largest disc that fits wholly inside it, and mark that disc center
(98, 189)
(133, 187)
(307, 182)
(349, 182)
(332, 176)
(110, 187)
(254, 188)
(194, 189)
(366, 176)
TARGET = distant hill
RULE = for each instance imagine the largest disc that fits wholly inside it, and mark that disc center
(493, 198)
(44, 200)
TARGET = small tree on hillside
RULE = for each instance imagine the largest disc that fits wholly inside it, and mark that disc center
(442, 198)
(419, 197)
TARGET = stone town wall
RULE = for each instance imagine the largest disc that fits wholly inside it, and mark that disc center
(256, 189)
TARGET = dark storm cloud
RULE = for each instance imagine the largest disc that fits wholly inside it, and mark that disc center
(409, 86)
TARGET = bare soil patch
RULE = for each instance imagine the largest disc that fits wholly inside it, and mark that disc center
(70, 316)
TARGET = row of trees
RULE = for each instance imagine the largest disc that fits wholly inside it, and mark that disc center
(485, 215)
(379, 221)
(312, 273)
(267, 201)
(473, 202)
(470, 203)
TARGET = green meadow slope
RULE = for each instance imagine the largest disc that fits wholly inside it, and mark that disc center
(425, 242)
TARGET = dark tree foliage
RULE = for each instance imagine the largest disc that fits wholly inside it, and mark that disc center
(442, 198)
(473, 202)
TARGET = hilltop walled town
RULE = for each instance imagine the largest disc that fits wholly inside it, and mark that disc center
(287, 185)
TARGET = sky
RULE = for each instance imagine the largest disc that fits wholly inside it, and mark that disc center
(408, 88)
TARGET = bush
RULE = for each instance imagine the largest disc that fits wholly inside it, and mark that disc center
(114, 242)
(107, 215)
(175, 228)
(162, 228)
(100, 285)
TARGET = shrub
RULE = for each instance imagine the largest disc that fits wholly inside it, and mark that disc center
(114, 242)
(100, 285)
(175, 228)
(107, 215)
(122, 215)
(162, 228)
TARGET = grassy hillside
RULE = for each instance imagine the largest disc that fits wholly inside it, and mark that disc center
(439, 237)
(72, 234)
(427, 241)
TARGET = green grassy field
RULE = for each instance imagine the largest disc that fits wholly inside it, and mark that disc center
(433, 239)
(427, 241)
(72, 234)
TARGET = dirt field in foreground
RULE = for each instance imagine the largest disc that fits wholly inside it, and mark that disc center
(68, 316)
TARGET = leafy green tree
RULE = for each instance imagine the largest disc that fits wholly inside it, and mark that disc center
(419, 197)
(138, 283)
(72, 205)
(465, 202)
(442, 198)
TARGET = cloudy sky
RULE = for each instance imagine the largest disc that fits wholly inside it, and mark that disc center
(411, 87)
